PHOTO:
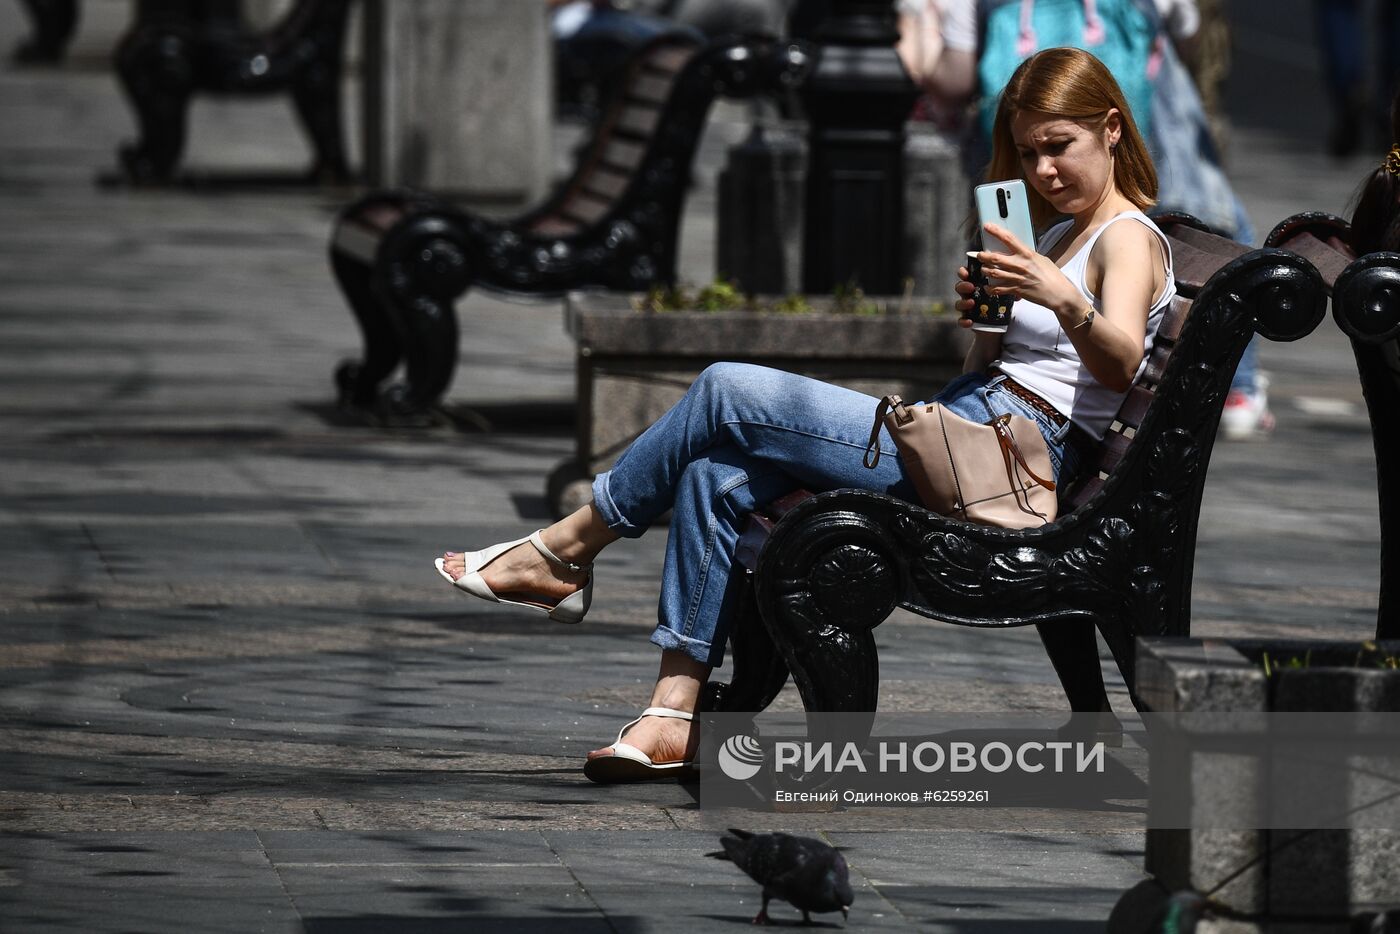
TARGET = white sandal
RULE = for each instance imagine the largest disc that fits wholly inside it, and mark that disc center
(569, 610)
(629, 764)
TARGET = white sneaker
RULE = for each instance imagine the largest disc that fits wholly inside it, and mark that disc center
(1246, 414)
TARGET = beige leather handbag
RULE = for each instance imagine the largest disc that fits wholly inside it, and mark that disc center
(992, 473)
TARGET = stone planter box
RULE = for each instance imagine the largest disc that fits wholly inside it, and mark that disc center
(634, 365)
(1290, 880)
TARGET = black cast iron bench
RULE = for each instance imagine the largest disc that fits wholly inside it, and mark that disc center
(403, 258)
(164, 62)
(822, 571)
(1366, 306)
(53, 22)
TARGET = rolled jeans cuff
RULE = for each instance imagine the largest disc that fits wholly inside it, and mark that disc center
(607, 508)
(703, 652)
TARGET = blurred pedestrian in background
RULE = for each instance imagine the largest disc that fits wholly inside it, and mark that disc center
(1344, 30)
(717, 17)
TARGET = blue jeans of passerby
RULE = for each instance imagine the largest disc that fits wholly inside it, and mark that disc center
(741, 437)
(1344, 34)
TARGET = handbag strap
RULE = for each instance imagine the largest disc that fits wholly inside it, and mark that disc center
(1010, 451)
(901, 414)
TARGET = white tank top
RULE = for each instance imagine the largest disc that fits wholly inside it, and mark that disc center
(1036, 353)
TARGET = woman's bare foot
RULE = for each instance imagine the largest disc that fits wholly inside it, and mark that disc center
(525, 575)
(663, 739)
(522, 574)
(669, 739)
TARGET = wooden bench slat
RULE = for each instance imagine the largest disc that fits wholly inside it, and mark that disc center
(605, 183)
(1159, 357)
(1156, 366)
(357, 240)
(668, 59)
(1207, 242)
(1134, 407)
(552, 225)
(752, 540)
(1329, 259)
(1193, 266)
(1174, 319)
(580, 206)
(1111, 450)
(1085, 490)
(640, 119)
(381, 216)
(651, 88)
(623, 155)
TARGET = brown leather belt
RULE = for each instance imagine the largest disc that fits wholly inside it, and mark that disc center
(1030, 398)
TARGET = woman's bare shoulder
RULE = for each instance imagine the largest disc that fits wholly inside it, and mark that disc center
(1130, 231)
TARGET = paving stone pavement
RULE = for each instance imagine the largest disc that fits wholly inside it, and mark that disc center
(234, 696)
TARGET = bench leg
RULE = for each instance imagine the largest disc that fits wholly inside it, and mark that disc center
(54, 22)
(759, 669)
(428, 335)
(1074, 652)
(823, 585)
(157, 74)
(421, 270)
(1382, 391)
(834, 669)
(317, 101)
(357, 382)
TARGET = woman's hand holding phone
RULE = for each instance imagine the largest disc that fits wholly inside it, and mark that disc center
(1021, 273)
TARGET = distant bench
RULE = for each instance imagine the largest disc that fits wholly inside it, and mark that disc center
(824, 570)
(170, 55)
(403, 258)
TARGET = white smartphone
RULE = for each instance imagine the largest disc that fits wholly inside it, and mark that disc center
(1004, 204)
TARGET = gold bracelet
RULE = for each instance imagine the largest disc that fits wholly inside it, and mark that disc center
(1087, 320)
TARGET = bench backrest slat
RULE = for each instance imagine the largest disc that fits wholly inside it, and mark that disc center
(622, 141)
(607, 183)
(1133, 409)
(585, 208)
(1330, 256)
(1194, 266)
(667, 59)
(638, 120)
(650, 88)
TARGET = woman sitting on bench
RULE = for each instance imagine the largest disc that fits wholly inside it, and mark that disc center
(1088, 306)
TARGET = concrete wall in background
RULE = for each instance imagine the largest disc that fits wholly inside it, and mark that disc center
(458, 97)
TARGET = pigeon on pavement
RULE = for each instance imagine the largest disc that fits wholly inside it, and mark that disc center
(808, 873)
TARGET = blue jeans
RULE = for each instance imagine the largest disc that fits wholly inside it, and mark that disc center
(741, 437)
(1343, 34)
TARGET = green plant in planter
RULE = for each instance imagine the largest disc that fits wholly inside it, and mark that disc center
(1371, 656)
(850, 300)
(1368, 656)
(721, 295)
(1293, 661)
(794, 304)
(725, 295)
